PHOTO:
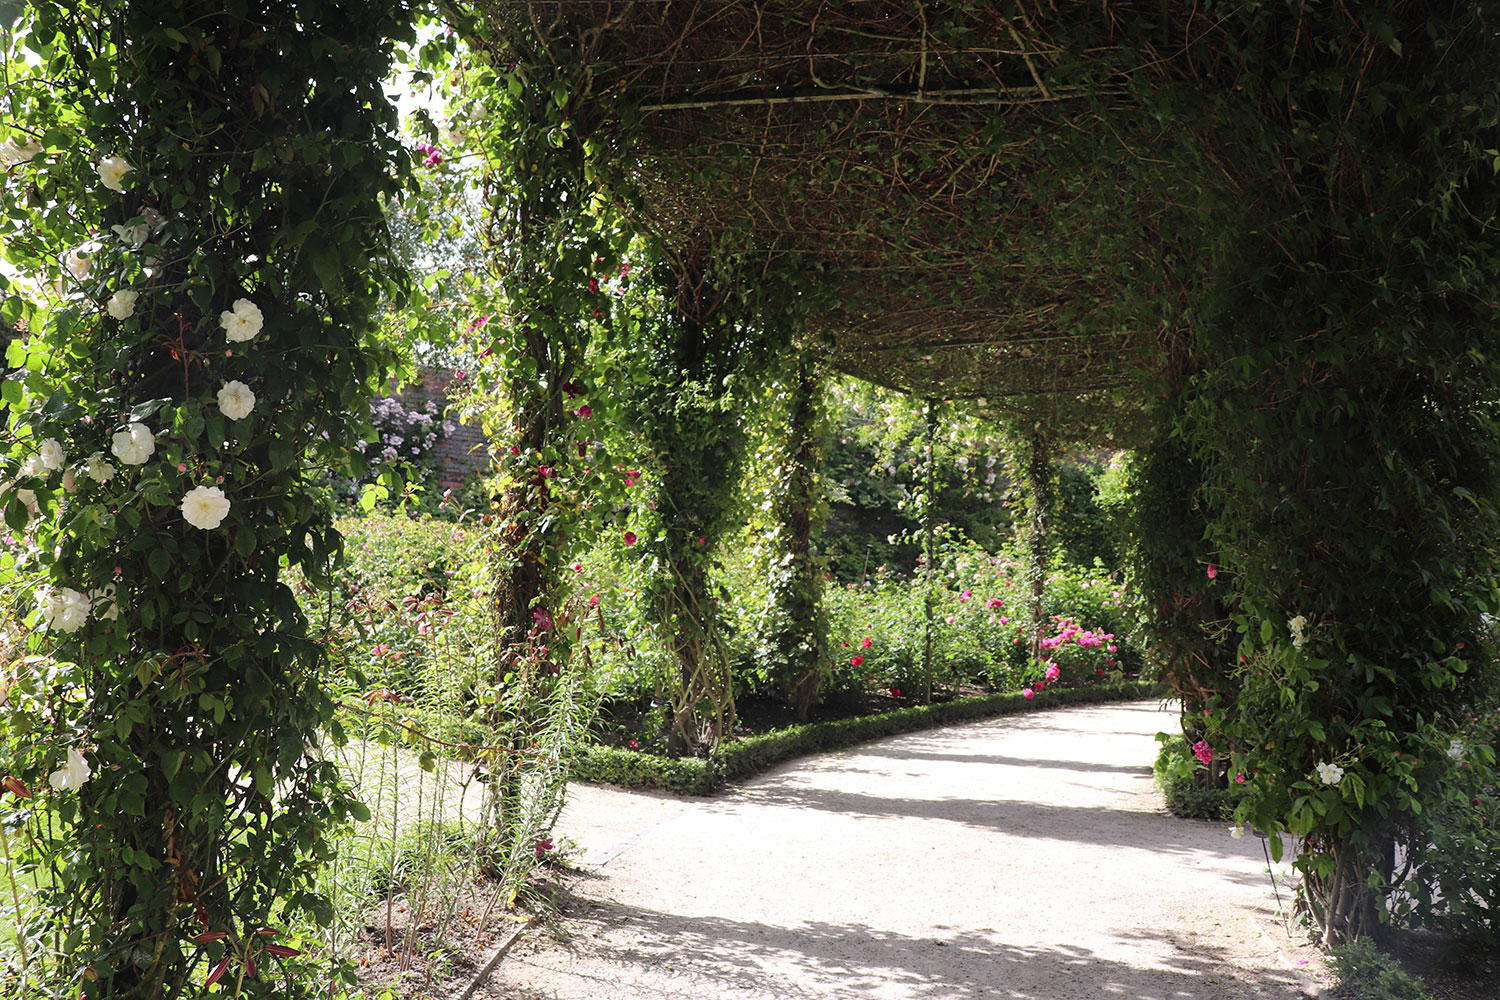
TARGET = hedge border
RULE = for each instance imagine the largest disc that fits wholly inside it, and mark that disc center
(745, 758)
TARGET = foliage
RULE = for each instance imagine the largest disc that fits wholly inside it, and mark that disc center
(391, 592)
(794, 647)
(1344, 411)
(875, 470)
(464, 773)
(203, 174)
(1082, 529)
(1365, 973)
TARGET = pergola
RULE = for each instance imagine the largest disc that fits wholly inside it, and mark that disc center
(975, 187)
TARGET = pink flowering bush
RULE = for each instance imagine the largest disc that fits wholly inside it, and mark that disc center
(980, 628)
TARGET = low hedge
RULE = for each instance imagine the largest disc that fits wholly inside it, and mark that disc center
(747, 757)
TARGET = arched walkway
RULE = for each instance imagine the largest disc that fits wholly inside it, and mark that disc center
(1023, 857)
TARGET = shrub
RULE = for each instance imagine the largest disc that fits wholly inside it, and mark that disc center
(391, 594)
(1364, 973)
(407, 432)
(743, 758)
(1190, 789)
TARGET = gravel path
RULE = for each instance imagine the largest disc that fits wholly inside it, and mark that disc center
(1022, 857)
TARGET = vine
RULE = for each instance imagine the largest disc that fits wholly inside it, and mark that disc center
(200, 220)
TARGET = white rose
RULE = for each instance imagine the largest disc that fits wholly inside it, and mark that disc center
(1237, 832)
(12, 152)
(51, 454)
(1330, 774)
(70, 480)
(132, 235)
(112, 171)
(121, 305)
(78, 262)
(133, 445)
(242, 322)
(63, 608)
(236, 400)
(205, 506)
(99, 470)
(72, 774)
(28, 499)
(33, 466)
(1456, 749)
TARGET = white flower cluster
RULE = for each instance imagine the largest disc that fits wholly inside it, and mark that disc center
(121, 305)
(98, 469)
(1296, 626)
(1330, 774)
(80, 260)
(1456, 749)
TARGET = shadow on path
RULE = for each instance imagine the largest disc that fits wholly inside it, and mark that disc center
(716, 956)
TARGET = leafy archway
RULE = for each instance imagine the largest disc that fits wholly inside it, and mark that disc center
(1282, 214)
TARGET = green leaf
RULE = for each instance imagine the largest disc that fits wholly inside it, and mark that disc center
(372, 494)
(1265, 631)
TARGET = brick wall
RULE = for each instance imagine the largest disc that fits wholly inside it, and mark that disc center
(460, 453)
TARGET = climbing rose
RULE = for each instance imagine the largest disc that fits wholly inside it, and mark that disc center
(79, 262)
(236, 400)
(1330, 774)
(1203, 752)
(1053, 673)
(1213, 571)
(121, 305)
(1237, 831)
(99, 470)
(1028, 694)
(1296, 626)
(629, 538)
(133, 445)
(51, 454)
(133, 235)
(63, 608)
(72, 774)
(855, 661)
(112, 171)
(13, 152)
(866, 643)
(243, 322)
(205, 507)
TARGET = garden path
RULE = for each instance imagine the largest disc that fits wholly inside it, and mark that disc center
(1021, 858)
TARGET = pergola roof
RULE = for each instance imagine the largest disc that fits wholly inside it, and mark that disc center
(960, 176)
